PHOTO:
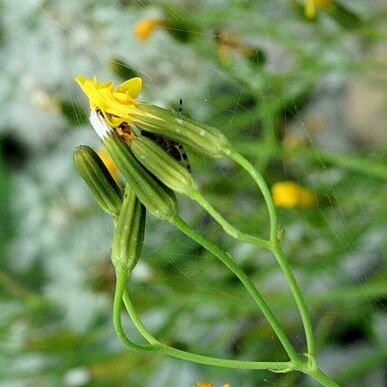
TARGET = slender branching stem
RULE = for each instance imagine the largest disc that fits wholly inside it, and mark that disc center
(213, 361)
(235, 268)
(298, 297)
(274, 245)
(260, 181)
(121, 277)
(279, 254)
(230, 229)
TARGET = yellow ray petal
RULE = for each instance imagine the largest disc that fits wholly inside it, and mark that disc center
(131, 86)
(110, 164)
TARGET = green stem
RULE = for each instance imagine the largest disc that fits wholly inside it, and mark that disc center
(156, 345)
(318, 375)
(264, 189)
(298, 296)
(201, 359)
(234, 267)
(278, 252)
(117, 307)
(231, 230)
(295, 363)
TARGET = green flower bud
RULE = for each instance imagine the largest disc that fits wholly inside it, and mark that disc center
(99, 179)
(159, 200)
(201, 138)
(161, 164)
(129, 235)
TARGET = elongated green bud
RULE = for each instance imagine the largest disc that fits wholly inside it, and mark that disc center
(159, 200)
(98, 179)
(201, 138)
(161, 164)
(129, 235)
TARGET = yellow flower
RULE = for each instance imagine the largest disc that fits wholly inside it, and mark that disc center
(115, 110)
(109, 164)
(144, 28)
(115, 103)
(312, 5)
(289, 194)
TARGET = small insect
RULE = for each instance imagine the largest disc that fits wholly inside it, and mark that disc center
(175, 149)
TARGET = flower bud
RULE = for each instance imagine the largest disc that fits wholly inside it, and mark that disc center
(129, 235)
(98, 179)
(159, 200)
(201, 138)
(161, 164)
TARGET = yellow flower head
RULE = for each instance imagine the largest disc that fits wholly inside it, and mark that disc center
(291, 195)
(115, 103)
(312, 5)
(144, 28)
(114, 110)
(109, 164)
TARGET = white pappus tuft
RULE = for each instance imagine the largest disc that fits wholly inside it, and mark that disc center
(99, 124)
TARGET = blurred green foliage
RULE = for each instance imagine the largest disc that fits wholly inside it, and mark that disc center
(287, 108)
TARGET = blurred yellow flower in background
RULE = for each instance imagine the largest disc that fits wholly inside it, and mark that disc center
(144, 28)
(291, 195)
(312, 5)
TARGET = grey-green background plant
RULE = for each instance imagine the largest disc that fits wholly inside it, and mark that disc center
(56, 283)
